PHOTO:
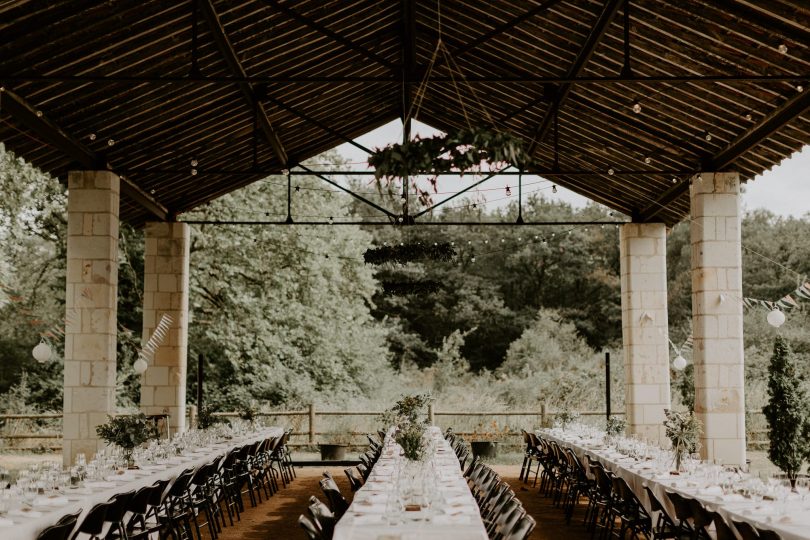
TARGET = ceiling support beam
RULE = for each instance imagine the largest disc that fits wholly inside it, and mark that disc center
(232, 59)
(50, 133)
(607, 15)
(508, 25)
(408, 38)
(781, 116)
(334, 36)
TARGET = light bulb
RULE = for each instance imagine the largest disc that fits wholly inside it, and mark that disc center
(554, 188)
(140, 366)
(776, 318)
(636, 107)
(331, 220)
(472, 259)
(611, 171)
(193, 162)
(783, 48)
(403, 200)
(799, 88)
(648, 160)
(508, 191)
(193, 172)
(110, 142)
(42, 352)
(749, 116)
(92, 136)
(679, 363)
(674, 180)
(707, 136)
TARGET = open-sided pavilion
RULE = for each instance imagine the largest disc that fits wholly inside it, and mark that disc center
(656, 109)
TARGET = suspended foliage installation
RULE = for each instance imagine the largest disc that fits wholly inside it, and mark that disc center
(459, 151)
(410, 252)
(408, 288)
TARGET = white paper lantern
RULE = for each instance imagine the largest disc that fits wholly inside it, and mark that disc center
(140, 366)
(42, 352)
(679, 363)
(776, 318)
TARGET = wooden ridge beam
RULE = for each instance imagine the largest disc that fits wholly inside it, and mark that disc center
(598, 30)
(408, 37)
(318, 27)
(781, 116)
(235, 65)
(50, 133)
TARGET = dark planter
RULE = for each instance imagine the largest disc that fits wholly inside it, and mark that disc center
(333, 452)
(484, 449)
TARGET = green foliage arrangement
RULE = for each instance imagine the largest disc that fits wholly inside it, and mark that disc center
(411, 439)
(614, 426)
(460, 151)
(683, 430)
(128, 431)
(405, 253)
(206, 418)
(786, 412)
(566, 417)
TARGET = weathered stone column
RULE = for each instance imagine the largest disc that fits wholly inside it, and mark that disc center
(91, 296)
(717, 315)
(166, 269)
(643, 256)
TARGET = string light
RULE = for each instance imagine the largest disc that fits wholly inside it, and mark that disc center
(332, 220)
(193, 162)
(110, 142)
(674, 180)
(92, 137)
(707, 135)
(611, 171)
(554, 188)
(799, 88)
(39, 114)
(783, 48)
(508, 191)
(472, 259)
(193, 172)
(152, 191)
(647, 160)
(749, 116)
(636, 107)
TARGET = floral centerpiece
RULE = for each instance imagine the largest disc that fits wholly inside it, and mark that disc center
(409, 429)
(564, 418)
(613, 428)
(128, 432)
(683, 430)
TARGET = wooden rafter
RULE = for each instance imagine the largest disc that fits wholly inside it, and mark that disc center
(781, 116)
(408, 53)
(599, 28)
(49, 132)
(232, 59)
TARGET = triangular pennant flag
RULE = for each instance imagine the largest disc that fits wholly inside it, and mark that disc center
(787, 302)
(804, 291)
(749, 302)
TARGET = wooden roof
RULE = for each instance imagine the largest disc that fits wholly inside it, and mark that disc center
(130, 84)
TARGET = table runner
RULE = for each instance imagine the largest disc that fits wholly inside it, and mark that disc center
(458, 517)
(26, 526)
(794, 524)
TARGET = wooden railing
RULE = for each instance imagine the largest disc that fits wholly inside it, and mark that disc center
(307, 423)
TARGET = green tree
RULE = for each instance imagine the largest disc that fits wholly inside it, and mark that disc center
(786, 412)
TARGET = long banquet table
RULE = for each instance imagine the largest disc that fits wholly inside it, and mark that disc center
(455, 518)
(27, 525)
(789, 518)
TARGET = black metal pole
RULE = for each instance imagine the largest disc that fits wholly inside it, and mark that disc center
(607, 384)
(200, 378)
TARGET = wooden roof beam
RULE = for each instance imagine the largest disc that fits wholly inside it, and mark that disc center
(408, 38)
(508, 25)
(318, 27)
(232, 59)
(49, 132)
(781, 116)
(599, 28)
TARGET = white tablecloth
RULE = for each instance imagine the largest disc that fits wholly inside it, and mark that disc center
(793, 524)
(458, 520)
(28, 525)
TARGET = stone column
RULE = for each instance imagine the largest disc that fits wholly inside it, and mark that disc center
(91, 296)
(643, 256)
(717, 318)
(166, 268)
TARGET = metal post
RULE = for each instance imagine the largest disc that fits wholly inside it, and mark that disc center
(311, 423)
(607, 384)
(431, 418)
(200, 379)
(543, 414)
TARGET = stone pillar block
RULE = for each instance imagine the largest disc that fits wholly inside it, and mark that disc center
(717, 315)
(645, 327)
(166, 275)
(91, 297)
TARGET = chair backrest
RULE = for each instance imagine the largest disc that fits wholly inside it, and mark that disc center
(323, 518)
(355, 479)
(701, 518)
(140, 502)
(70, 517)
(60, 531)
(158, 493)
(656, 506)
(767, 534)
(337, 503)
(722, 529)
(522, 529)
(746, 530)
(118, 507)
(94, 523)
(683, 511)
(180, 484)
(312, 532)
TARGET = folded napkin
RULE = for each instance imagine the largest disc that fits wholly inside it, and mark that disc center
(25, 512)
(4, 522)
(153, 467)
